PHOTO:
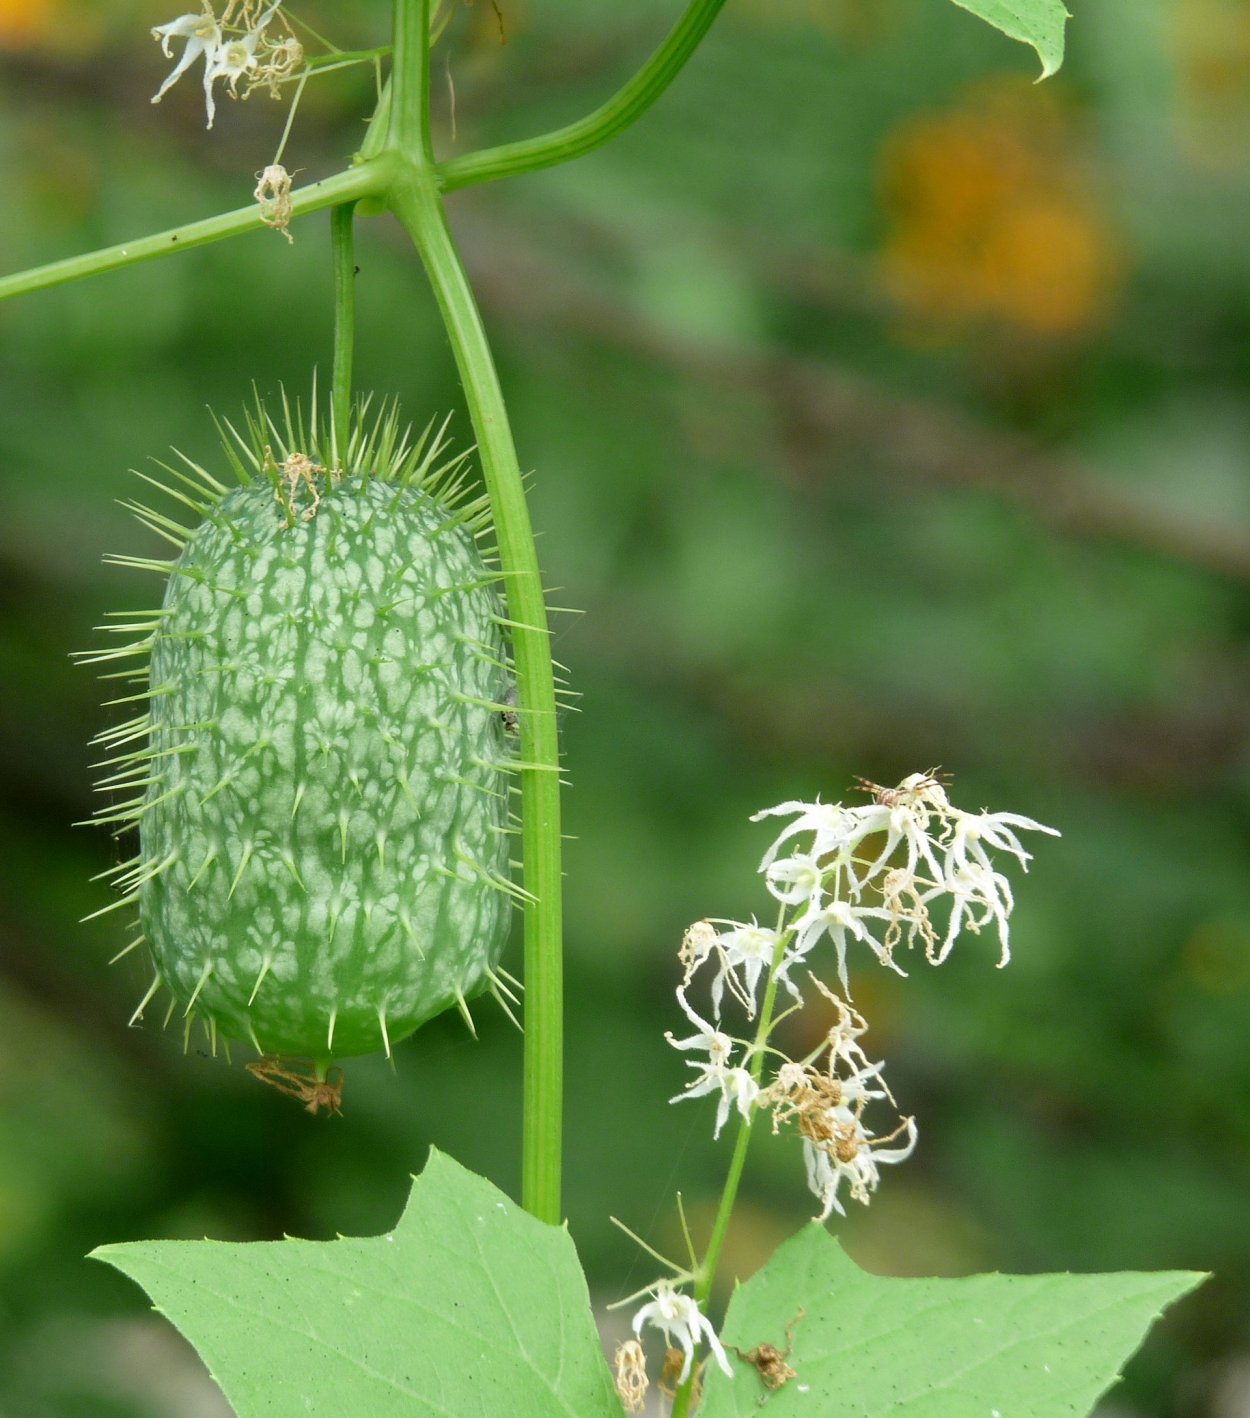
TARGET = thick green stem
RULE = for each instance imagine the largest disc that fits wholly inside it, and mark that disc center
(409, 126)
(627, 104)
(346, 186)
(344, 257)
(415, 200)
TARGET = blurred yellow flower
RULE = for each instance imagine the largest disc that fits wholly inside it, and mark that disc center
(22, 21)
(992, 218)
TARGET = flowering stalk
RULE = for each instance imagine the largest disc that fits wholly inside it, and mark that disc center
(706, 1275)
(869, 874)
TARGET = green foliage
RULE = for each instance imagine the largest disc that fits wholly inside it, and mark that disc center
(1016, 1346)
(467, 1306)
(469, 1303)
(1036, 22)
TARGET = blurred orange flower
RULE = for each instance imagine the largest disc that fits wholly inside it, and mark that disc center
(991, 217)
(22, 21)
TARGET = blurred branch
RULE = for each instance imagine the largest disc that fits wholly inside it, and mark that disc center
(822, 404)
(936, 444)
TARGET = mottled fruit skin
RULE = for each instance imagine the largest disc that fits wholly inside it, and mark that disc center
(331, 795)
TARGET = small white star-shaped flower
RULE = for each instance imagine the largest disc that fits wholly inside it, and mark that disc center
(838, 920)
(677, 1318)
(736, 1086)
(234, 59)
(975, 888)
(794, 880)
(904, 821)
(228, 56)
(832, 825)
(718, 1046)
(203, 37)
(751, 948)
(993, 829)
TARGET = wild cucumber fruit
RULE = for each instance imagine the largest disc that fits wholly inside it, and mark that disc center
(318, 777)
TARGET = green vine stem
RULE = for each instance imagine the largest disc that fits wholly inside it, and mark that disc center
(414, 198)
(627, 104)
(346, 186)
(344, 255)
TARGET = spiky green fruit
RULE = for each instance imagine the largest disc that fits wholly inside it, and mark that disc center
(323, 810)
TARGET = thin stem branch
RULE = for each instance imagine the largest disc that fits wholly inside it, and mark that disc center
(626, 105)
(415, 200)
(345, 186)
(344, 257)
(737, 1162)
(290, 115)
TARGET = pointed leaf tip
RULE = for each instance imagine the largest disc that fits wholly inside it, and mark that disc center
(466, 1298)
(1044, 1345)
(1036, 22)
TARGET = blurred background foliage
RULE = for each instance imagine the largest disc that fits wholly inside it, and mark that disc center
(885, 410)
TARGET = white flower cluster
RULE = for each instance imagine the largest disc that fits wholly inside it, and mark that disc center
(871, 873)
(234, 47)
(930, 852)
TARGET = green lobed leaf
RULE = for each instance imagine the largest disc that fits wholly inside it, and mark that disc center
(1036, 22)
(468, 1306)
(988, 1346)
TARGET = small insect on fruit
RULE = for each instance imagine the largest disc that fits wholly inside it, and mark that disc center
(319, 771)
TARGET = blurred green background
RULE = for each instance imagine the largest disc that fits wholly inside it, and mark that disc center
(885, 410)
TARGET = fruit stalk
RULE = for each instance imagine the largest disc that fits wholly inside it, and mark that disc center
(341, 219)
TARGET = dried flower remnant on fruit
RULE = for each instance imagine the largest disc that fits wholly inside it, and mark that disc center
(631, 1376)
(510, 714)
(300, 1080)
(273, 196)
(234, 46)
(296, 471)
(678, 1319)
